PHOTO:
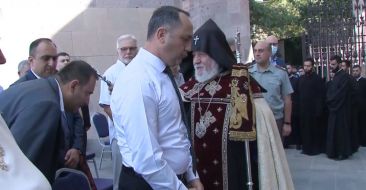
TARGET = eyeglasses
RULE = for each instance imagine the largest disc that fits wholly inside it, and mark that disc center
(128, 48)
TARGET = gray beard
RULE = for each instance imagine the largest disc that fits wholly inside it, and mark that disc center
(207, 75)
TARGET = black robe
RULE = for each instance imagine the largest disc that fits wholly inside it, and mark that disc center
(361, 101)
(311, 92)
(294, 138)
(339, 102)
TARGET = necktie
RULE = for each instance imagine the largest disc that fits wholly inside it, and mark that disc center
(184, 115)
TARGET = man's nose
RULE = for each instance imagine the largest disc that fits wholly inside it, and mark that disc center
(188, 46)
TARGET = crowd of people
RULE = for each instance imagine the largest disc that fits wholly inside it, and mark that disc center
(328, 116)
(182, 112)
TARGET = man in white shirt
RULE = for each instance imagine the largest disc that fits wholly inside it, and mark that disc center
(127, 50)
(151, 133)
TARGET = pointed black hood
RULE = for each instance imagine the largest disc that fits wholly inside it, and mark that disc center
(211, 40)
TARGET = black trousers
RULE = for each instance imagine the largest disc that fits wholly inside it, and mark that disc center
(130, 180)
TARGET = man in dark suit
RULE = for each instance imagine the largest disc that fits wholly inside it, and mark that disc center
(35, 113)
(42, 60)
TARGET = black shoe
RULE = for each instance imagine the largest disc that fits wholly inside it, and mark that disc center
(298, 147)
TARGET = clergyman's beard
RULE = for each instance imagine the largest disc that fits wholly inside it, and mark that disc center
(207, 74)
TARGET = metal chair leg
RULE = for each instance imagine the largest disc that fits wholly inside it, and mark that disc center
(95, 167)
(101, 158)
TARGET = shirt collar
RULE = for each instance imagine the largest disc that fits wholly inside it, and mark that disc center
(270, 68)
(153, 60)
(358, 78)
(38, 77)
(120, 63)
(62, 106)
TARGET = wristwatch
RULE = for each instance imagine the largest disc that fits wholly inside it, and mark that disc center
(287, 123)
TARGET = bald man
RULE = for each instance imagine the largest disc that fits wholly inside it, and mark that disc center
(275, 56)
(275, 80)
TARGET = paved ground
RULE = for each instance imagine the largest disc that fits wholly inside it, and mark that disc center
(308, 172)
(320, 173)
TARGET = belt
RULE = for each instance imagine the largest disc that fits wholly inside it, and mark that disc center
(131, 171)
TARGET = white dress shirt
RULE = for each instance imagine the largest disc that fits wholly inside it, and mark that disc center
(150, 132)
(110, 74)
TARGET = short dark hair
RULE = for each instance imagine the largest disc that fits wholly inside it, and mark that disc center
(79, 70)
(348, 62)
(62, 54)
(311, 60)
(164, 16)
(356, 66)
(33, 46)
(337, 58)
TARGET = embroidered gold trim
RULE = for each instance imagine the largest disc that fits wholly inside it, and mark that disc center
(3, 165)
(239, 104)
(239, 72)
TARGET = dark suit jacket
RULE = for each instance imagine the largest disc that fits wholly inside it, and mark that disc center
(78, 139)
(32, 111)
(27, 77)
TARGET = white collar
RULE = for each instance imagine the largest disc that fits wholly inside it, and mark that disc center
(62, 106)
(38, 77)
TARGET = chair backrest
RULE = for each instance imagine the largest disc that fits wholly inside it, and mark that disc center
(70, 179)
(101, 124)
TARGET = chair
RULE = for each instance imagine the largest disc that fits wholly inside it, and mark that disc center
(91, 157)
(103, 184)
(101, 124)
(70, 179)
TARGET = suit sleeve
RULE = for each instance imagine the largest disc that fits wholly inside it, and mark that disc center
(79, 133)
(37, 131)
(86, 116)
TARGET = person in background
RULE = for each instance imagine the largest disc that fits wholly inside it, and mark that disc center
(295, 137)
(361, 102)
(63, 59)
(275, 80)
(346, 66)
(311, 91)
(42, 60)
(23, 67)
(339, 99)
(35, 112)
(301, 71)
(126, 49)
(275, 58)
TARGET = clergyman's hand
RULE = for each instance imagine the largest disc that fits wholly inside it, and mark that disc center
(72, 158)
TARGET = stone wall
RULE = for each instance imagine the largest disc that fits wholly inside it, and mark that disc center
(88, 29)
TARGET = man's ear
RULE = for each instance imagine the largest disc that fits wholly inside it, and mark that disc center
(73, 84)
(30, 61)
(161, 34)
